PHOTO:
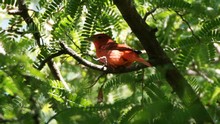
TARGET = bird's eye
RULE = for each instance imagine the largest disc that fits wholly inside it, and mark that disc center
(99, 37)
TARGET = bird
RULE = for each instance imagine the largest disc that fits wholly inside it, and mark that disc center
(115, 55)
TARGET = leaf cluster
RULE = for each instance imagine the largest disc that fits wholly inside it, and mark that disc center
(187, 30)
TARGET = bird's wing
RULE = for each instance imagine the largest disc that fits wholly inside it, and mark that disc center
(120, 47)
(115, 46)
(123, 47)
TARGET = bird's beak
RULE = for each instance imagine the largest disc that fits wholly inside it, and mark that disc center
(89, 38)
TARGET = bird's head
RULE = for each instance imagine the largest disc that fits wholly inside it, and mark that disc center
(100, 39)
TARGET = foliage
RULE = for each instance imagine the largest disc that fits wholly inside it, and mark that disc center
(187, 30)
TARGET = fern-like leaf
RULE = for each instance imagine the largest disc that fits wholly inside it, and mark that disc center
(195, 86)
(117, 81)
(51, 8)
(155, 78)
(8, 2)
(214, 34)
(89, 26)
(209, 25)
(206, 52)
(187, 43)
(73, 7)
(125, 118)
(211, 52)
(185, 57)
(175, 4)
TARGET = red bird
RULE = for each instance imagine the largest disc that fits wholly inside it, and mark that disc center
(115, 55)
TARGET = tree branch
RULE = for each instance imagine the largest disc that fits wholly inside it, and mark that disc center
(56, 73)
(157, 56)
(42, 64)
(98, 67)
(23, 12)
(149, 13)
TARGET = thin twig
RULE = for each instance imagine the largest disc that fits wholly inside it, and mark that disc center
(72, 41)
(56, 72)
(14, 12)
(201, 74)
(16, 31)
(97, 79)
(187, 23)
(57, 113)
(42, 64)
(149, 13)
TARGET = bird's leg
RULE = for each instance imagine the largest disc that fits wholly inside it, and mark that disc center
(103, 59)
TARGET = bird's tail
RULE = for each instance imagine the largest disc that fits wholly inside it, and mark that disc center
(141, 60)
(137, 52)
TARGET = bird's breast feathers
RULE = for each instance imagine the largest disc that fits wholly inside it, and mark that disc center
(114, 58)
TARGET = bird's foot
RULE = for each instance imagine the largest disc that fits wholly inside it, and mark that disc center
(102, 59)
